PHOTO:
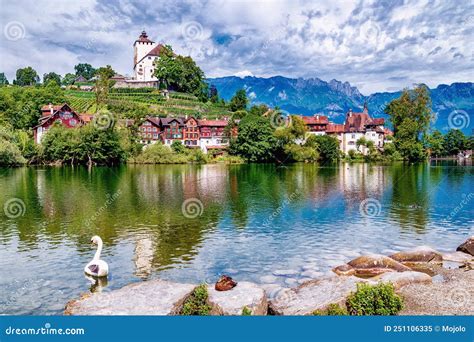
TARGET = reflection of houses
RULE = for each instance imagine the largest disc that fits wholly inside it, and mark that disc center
(62, 114)
(143, 256)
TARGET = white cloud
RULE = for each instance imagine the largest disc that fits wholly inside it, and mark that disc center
(376, 45)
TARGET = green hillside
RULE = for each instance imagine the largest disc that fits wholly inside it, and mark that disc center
(178, 104)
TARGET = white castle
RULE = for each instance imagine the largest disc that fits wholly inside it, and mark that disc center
(145, 53)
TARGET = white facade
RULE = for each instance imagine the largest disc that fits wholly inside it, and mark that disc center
(143, 63)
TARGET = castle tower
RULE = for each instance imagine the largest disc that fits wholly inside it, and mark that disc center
(141, 47)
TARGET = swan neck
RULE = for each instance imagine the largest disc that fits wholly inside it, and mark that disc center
(99, 250)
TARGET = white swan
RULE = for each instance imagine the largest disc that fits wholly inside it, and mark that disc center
(97, 267)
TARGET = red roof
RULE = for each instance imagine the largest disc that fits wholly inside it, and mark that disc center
(215, 123)
(316, 120)
(335, 128)
(143, 38)
(156, 51)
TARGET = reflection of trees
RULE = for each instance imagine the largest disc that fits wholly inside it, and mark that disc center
(410, 199)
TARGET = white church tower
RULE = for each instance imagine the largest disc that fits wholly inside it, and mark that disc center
(145, 53)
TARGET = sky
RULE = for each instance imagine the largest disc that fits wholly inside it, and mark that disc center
(383, 45)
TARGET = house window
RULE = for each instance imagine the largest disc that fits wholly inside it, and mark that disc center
(353, 136)
(73, 122)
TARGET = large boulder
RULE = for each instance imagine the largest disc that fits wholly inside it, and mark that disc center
(422, 254)
(154, 297)
(313, 295)
(400, 279)
(458, 257)
(467, 246)
(232, 302)
(370, 265)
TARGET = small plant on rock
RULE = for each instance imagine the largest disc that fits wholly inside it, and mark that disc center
(196, 303)
(377, 299)
(246, 311)
(332, 310)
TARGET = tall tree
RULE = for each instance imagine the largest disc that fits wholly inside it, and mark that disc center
(85, 70)
(3, 79)
(26, 77)
(255, 141)
(51, 76)
(213, 94)
(239, 101)
(103, 84)
(410, 115)
(179, 73)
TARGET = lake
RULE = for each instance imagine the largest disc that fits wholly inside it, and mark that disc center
(191, 223)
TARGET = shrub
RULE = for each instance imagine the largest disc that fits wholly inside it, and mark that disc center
(332, 310)
(246, 311)
(160, 154)
(377, 299)
(196, 303)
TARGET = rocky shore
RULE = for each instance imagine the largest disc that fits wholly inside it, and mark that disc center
(430, 283)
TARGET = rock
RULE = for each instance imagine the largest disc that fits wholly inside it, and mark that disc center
(268, 279)
(459, 257)
(417, 255)
(290, 281)
(311, 274)
(154, 297)
(370, 265)
(304, 280)
(467, 246)
(313, 295)
(285, 272)
(400, 279)
(345, 270)
(231, 302)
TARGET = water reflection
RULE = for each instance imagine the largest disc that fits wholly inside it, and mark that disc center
(255, 219)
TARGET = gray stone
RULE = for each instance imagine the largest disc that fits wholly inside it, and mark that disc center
(290, 281)
(231, 302)
(268, 279)
(459, 257)
(313, 295)
(311, 274)
(285, 272)
(154, 297)
(400, 279)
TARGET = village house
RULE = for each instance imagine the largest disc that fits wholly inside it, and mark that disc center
(193, 133)
(50, 115)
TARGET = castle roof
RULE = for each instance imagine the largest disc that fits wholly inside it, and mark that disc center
(143, 38)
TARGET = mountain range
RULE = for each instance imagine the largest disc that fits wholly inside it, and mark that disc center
(452, 105)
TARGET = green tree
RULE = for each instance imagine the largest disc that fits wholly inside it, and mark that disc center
(178, 147)
(326, 145)
(410, 115)
(361, 142)
(26, 77)
(454, 142)
(85, 70)
(180, 73)
(435, 142)
(255, 141)
(3, 79)
(68, 79)
(103, 84)
(213, 94)
(239, 101)
(51, 76)
(10, 154)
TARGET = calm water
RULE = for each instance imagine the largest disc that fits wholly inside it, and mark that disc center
(256, 219)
